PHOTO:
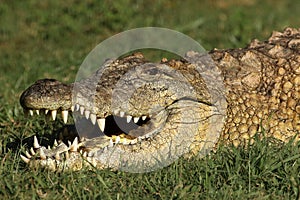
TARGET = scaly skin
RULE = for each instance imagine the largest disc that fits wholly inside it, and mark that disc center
(184, 110)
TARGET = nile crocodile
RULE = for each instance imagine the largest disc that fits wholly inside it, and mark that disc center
(174, 117)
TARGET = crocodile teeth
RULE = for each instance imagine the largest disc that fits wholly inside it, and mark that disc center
(125, 141)
(82, 139)
(101, 123)
(26, 160)
(87, 114)
(84, 154)
(133, 141)
(81, 110)
(115, 112)
(55, 143)
(117, 139)
(122, 114)
(42, 154)
(46, 112)
(65, 116)
(27, 154)
(32, 151)
(72, 108)
(129, 118)
(31, 112)
(36, 144)
(144, 117)
(37, 112)
(111, 144)
(57, 157)
(93, 118)
(53, 114)
(74, 146)
(136, 119)
(77, 107)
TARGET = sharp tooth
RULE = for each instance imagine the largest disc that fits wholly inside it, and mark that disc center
(46, 112)
(134, 141)
(93, 118)
(49, 148)
(122, 114)
(75, 141)
(32, 151)
(74, 146)
(53, 114)
(37, 112)
(82, 139)
(115, 112)
(64, 114)
(31, 112)
(144, 117)
(117, 139)
(80, 151)
(27, 154)
(69, 143)
(81, 110)
(42, 154)
(72, 108)
(55, 143)
(101, 123)
(129, 118)
(84, 154)
(36, 144)
(136, 119)
(87, 114)
(26, 160)
(124, 141)
(77, 107)
(57, 157)
(111, 144)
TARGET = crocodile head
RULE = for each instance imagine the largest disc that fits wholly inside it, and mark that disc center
(148, 115)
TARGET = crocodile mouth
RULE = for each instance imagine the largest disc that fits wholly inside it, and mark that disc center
(117, 128)
(120, 127)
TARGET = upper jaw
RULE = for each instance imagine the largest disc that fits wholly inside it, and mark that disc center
(47, 94)
(151, 117)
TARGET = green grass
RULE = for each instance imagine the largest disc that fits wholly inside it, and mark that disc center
(40, 39)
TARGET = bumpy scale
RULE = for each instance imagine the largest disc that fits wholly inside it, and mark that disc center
(261, 91)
